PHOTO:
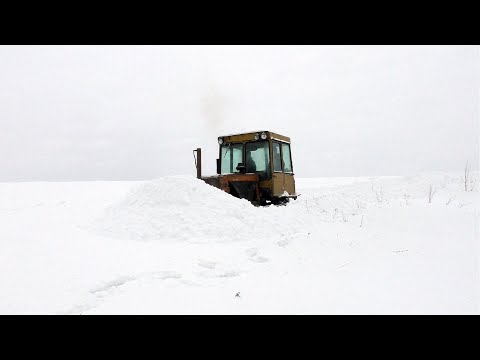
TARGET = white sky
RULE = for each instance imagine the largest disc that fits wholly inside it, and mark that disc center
(137, 112)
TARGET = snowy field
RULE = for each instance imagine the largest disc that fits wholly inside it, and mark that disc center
(175, 245)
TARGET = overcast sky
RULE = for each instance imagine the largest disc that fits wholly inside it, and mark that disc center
(137, 112)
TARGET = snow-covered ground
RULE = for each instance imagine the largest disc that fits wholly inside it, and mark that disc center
(178, 246)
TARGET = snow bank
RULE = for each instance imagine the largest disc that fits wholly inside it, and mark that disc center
(184, 208)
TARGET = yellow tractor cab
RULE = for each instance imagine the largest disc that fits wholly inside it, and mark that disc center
(256, 166)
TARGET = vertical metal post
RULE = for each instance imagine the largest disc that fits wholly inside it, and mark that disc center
(199, 163)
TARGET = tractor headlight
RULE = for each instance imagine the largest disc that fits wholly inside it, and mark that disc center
(257, 136)
(263, 136)
(220, 141)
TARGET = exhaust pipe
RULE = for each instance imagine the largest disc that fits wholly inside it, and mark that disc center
(198, 162)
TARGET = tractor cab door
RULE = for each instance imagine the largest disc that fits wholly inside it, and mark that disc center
(283, 180)
(289, 181)
(278, 178)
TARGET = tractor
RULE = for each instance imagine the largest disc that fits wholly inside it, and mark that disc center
(256, 166)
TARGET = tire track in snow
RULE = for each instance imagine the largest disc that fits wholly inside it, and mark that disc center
(108, 289)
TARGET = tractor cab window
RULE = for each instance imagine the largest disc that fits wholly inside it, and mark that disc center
(231, 156)
(277, 157)
(257, 159)
(287, 160)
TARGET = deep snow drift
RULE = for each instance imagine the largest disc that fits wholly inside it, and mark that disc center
(175, 245)
(183, 208)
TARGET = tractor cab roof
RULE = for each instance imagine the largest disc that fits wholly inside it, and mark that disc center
(250, 136)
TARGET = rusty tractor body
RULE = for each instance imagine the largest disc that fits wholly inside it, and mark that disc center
(256, 166)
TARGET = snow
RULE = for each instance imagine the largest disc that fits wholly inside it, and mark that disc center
(182, 209)
(174, 245)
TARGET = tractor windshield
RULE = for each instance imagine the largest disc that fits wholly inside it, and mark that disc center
(257, 159)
